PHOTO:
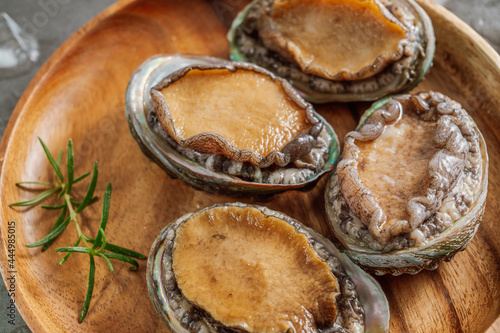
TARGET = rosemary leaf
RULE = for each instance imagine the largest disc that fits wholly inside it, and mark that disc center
(52, 162)
(105, 207)
(81, 177)
(78, 249)
(107, 261)
(90, 290)
(123, 258)
(90, 192)
(58, 222)
(53, 207)
(59, 158)
(70, 166)
(63, 260)
(36, 200)
(51, 236)
(118, 249)
(105, 214)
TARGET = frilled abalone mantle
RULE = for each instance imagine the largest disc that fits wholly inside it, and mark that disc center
(213, 143)
(454, 172)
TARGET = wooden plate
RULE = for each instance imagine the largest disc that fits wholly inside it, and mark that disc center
(80, 93)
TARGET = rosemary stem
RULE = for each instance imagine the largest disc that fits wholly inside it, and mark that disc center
(69, 209)
(73, 218)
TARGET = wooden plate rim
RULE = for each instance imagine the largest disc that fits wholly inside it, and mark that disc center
(27, 313)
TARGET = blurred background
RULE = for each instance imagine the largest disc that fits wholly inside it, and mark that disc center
(31, 30)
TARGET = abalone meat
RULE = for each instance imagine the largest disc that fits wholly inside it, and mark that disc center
(410, 189)
(337, 50)
(244, 268)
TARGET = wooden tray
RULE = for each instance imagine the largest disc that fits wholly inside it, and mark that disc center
(80, 93)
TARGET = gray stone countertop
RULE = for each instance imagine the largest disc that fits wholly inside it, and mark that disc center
(53, 21)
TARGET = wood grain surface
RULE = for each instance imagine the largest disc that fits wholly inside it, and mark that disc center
(80, 93)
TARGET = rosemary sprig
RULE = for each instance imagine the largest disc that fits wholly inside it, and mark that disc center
(69, 210)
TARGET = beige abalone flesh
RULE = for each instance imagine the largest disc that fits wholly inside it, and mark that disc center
(244, 268)
(337, 50)
(410, 189)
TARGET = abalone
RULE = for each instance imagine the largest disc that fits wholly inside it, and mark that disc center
(410, 189)
(244, 268)
(234, 127)
(337, 50)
